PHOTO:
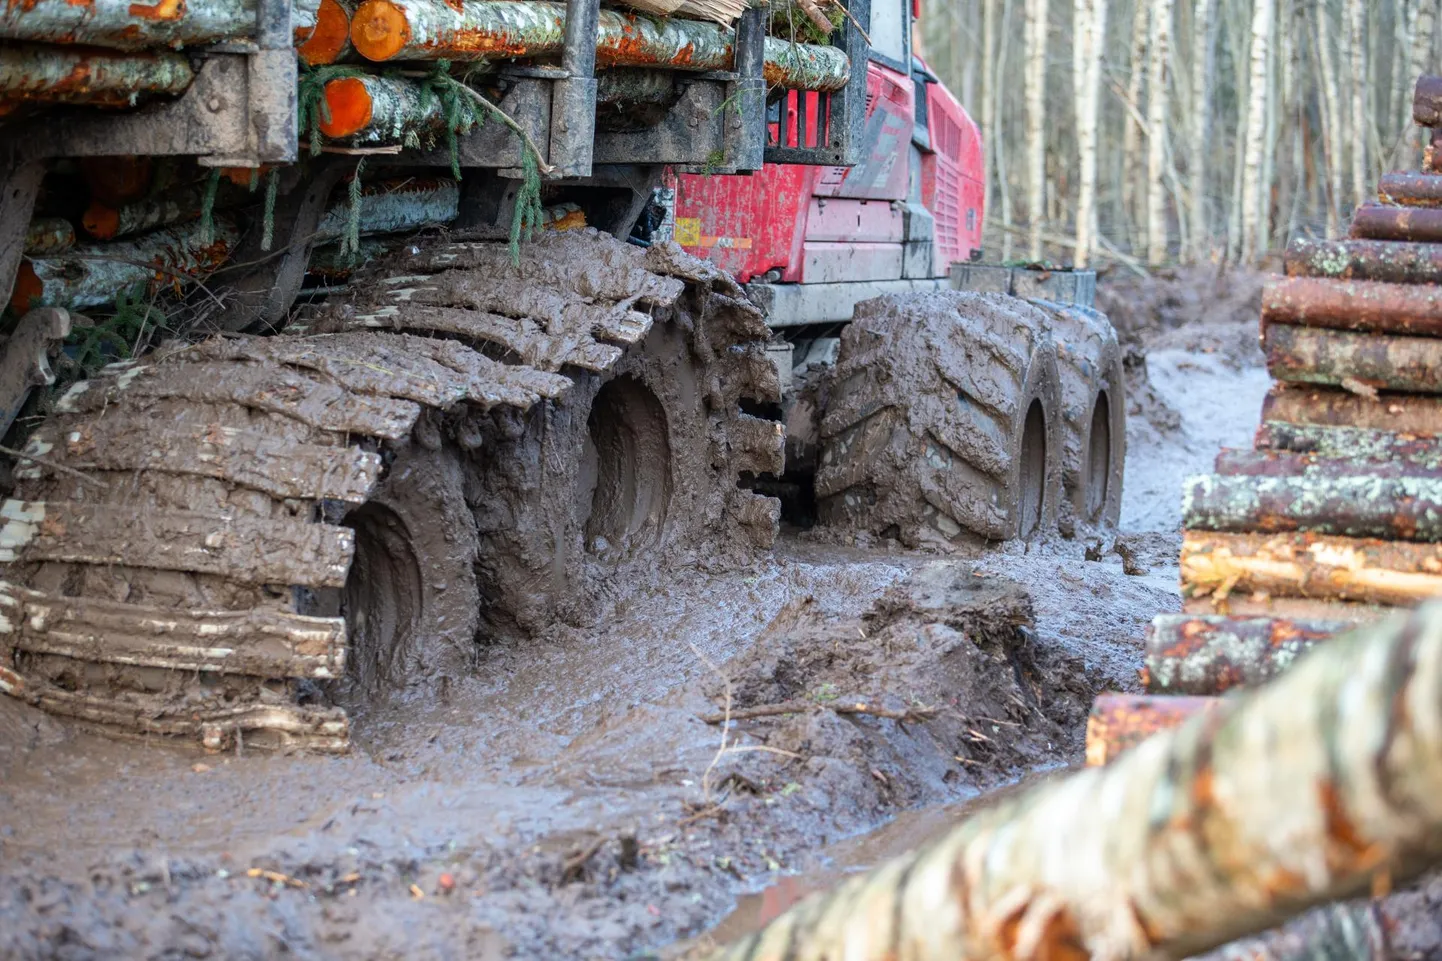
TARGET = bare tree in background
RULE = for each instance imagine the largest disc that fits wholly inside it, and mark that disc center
(1036, 31)
(1172, 132)
(1203, 60)
(1158, 69)
(1089, 35)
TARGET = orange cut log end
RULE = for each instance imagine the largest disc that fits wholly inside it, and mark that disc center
(101, 221)
(28, 288)
(379, 30)
(330, 36)
(349, 106)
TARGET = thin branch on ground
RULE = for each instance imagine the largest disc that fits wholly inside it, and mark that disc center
(51, 465)
(911, 714)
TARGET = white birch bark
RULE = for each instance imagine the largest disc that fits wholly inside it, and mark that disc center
(1089, 35)
(1203, 60)
(1357, 56)
(1131, 124)
(1035, 89)
(1253, 146)
(1332, 119)
(1157, 99)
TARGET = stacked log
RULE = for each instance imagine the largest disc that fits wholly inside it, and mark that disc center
(1334, 518)
(90, 275)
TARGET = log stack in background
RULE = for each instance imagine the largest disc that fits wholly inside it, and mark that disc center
(1335, 517)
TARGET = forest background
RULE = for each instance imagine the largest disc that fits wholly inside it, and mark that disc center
(1164, 131)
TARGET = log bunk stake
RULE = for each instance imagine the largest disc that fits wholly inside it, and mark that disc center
(1332, 520)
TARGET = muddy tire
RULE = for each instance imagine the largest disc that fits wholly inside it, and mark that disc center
(411, 602)
(643, 466)
(943, 422)
(1093, 407)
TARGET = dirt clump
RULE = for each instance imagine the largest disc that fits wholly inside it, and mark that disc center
(1141, 307)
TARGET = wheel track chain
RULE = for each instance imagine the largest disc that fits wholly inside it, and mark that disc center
(1331, 520)
(275, 429)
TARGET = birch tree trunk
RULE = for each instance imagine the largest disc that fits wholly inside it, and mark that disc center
(1035, 86)
(1253, 148)
(1202, 62)
(1089, 37)
(1361, 122)
(989, 85)
(1131, 124)
(1267, 178)
(1420, 62)
(1002, 179)
(1332, 119)
(1157, 99)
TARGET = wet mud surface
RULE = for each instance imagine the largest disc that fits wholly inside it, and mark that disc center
(573, 796)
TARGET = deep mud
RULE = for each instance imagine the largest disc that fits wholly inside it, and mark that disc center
(568, 798)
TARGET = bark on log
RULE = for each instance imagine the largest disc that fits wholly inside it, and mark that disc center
(93, 274)
(1393, 262)
(1353, 305)
(1368, 571)
(1352, 443)
(1321, 468)
(1304, 791)
(488, 30)
(106, 222)
(1387, 222)
(329, 264)
(374, 111)
(393, 206)
(49, 235)
(1427, 102)
(1410, 189)
(1119, 722)
(1295, 608)
(1207, 656)
(1348, 359)
(122, 25)
(48, 74)
(1399, 413)
(1356, 505)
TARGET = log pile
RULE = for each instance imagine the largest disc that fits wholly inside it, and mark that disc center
(1333, 519)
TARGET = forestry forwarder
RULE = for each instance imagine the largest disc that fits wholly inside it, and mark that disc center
(392, 446)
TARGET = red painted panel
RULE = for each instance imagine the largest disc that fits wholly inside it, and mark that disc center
(952, 177)
(844, 219)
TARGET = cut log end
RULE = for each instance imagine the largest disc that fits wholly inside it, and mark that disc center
(101, 221)
(28, 288)
(379, 30)
(349, 107)
(331, 36)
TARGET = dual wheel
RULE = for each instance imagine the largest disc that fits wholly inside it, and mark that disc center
(962, 417)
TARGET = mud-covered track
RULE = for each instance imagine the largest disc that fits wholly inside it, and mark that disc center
(181, 553)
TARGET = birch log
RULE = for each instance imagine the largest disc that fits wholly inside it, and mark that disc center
(1357, 444)
(1119, 722)
(49, 235)
(1395, 262)
(497, 29)
(395, 206)
(122, 25)
(1304, 791)
(1360, 570)
(1351, 505)
(90, 275)
(49, 74)
(1257, 90)
(1355, 361)
(1209, 655)
(1354, 305)
(1322, 407)
(1158, 66)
